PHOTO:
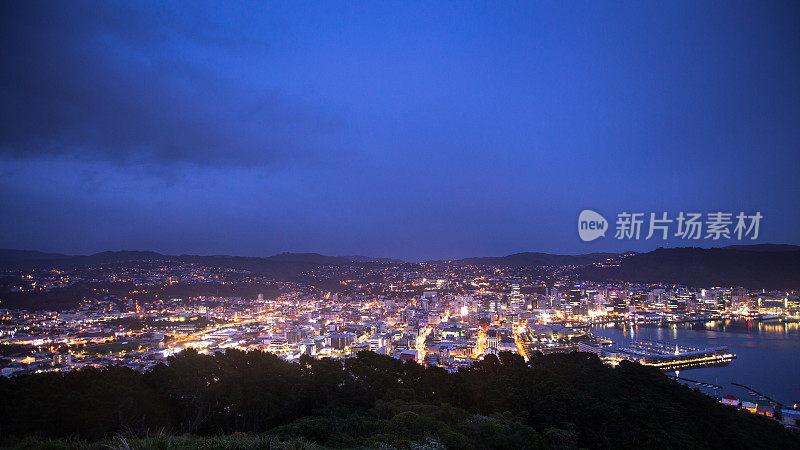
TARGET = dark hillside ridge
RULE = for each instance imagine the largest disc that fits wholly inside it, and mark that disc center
(730, 266)
(280, 266)
(526, 259)
(761, 266)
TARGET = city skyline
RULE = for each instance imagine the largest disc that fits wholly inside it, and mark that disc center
(394, 225)
(729, 329)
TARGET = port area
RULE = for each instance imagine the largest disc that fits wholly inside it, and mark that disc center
(667, 356)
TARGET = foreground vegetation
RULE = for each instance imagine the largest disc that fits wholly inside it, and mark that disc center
(256, 400)
(165, 441)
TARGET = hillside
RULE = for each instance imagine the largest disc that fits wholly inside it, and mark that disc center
(765, 247)
(556, 401)
(9, 257)
(744, 266)
(527, 259)
(768, 266)
(284, 265)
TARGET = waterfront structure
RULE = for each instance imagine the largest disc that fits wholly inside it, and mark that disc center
(665, 355)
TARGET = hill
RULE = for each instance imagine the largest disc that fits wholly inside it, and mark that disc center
(526, 259)
(555, 401)
(284, 265)
(9, 257)
(766, 247)
(767, 266)
(746, 266)
(317, 258)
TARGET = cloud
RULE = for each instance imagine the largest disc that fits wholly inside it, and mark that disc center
(145, 86)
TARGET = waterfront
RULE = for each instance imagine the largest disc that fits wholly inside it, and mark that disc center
(768, 353)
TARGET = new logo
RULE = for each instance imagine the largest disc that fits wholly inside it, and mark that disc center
(591, 225)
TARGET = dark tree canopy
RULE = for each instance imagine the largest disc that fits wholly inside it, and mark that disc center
(370, 400)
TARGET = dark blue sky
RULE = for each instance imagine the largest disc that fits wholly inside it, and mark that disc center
(395, 129)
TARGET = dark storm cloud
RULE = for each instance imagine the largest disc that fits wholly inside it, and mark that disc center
(415, 130)
(120, 84)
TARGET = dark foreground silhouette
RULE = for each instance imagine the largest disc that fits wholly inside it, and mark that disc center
(563, 400)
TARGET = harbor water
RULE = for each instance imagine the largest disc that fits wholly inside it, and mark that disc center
(767, 353)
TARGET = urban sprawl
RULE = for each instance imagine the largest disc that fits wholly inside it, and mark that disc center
(136, 314)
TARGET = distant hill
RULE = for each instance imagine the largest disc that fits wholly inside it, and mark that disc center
(11, 256)
(371, 259)
(317, 258)
(769, 266)
(27, 260)
(534, 259)
(766, 247)
(746, 266)
(280, 266)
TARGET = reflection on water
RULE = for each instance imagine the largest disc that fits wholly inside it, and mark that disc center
(768, 353)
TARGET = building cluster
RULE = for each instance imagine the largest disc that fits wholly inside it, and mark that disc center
(789, 417)
(137, 315)
(434, 314)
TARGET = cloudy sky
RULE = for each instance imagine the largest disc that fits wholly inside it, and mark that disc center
(399, 129)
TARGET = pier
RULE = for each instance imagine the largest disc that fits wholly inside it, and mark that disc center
(695, 382)
(759, 395)
(666, 355)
